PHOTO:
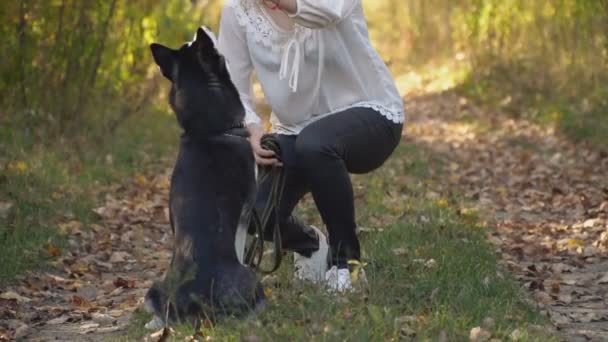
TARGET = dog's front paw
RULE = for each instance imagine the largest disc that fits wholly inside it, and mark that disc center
(155, 324)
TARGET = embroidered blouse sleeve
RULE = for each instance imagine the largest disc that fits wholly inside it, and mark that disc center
(322, 13)
(232, 43)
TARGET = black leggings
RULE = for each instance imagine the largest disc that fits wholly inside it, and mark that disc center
(319, 160)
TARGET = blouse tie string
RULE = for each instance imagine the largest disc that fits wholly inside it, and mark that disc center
(295, 66)
(321, 47)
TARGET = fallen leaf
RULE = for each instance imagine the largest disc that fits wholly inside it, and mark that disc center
(5, 208)
(555, 288)
(560, 268)
(70, 227)
(22, 331)
(14, 295)
(116, 313)
(430, 263)
(88, 328)
(88, 292)
(431, 195)
(102, 318)
(162, 335)
(575, 243)
(564, 299)
(478, 334)
(542, 297)
(516, 335)
(488, 323)
(125, 283)
(400, 251)
(408, 333)
(17, 166)
(603, 279)
(559, 319)
(369, 230)
(80, 303)
(58, 320)
(117, 291)
(52, 250)
(140, 180)
(118, 257)
(5, 335)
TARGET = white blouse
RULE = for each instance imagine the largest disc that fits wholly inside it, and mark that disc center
(325, 65)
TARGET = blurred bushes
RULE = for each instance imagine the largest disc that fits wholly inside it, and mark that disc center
(74, 66)
(545, 59)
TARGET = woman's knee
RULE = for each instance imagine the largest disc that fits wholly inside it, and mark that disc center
(311, 148)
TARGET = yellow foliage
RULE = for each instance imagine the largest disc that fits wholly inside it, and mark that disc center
(442, 203)
(140, 179)
(576, 243)
(17, 166)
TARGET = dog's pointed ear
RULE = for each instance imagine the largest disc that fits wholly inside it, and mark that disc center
(165, 58)
(205, 39)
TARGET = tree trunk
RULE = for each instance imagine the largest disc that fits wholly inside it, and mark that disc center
(22, 53)
(73, 55)
(102, 44)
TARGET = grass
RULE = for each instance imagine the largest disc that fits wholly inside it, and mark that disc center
(431, 273)
(581, 116)
(50, 182)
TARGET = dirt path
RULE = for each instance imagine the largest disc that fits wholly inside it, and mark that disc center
(90, 293)
(547, 198)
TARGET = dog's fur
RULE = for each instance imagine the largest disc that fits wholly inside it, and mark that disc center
(212, 190)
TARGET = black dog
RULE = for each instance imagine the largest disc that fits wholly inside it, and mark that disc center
(212, 191)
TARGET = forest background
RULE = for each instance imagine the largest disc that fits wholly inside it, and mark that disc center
(83, 104)
(76, 69)
(84, 124)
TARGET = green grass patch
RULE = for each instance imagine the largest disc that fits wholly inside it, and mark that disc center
(579, 114)
(48, 182)
(427, 264)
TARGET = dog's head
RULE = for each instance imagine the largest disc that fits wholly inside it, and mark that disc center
(202, 95)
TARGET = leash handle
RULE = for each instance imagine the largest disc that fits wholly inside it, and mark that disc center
(260, 222)
(271, 143)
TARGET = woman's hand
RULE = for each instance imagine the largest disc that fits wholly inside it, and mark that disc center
(262, 156)
(290, 6)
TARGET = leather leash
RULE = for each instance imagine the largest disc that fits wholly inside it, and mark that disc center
(259, 221)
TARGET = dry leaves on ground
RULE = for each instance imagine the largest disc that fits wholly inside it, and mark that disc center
(547, 198)
(103, 276)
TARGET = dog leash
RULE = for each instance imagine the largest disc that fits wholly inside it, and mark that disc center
(259, 221)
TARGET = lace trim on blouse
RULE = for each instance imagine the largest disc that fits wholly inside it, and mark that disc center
(252, 17)
(395, 115)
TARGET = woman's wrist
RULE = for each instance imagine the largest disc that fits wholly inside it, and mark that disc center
(255, 129)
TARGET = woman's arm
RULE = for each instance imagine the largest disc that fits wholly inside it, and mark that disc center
(232, 43)
(317, 13)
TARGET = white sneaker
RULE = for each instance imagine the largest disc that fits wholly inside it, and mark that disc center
(338, 280)
(313, 269)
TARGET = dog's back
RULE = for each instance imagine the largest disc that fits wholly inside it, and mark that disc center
(212, 188)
